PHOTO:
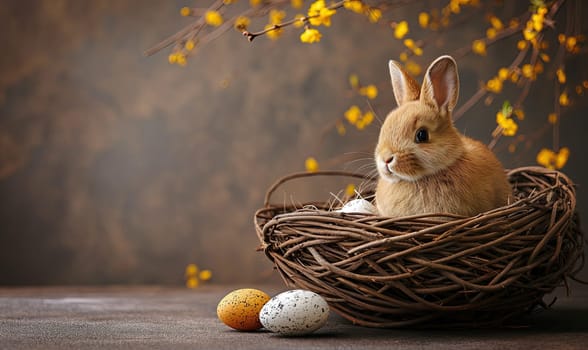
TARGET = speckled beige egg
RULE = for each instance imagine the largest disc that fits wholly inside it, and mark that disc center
(240, 309)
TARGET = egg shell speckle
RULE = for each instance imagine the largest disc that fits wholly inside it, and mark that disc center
(295, 312)
(240, 309)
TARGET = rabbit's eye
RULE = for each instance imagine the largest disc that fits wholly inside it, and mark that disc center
(422, 135)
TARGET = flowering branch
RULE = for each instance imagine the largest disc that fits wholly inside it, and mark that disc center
(320, 14)
(527, 65)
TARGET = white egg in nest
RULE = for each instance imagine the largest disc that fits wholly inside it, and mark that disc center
(294, 313)
(359, 205)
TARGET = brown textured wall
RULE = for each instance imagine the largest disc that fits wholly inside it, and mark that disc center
(117, 168)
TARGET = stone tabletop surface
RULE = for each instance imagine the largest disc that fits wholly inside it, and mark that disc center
(150, 317)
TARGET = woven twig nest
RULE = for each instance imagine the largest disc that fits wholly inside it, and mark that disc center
(426, 270)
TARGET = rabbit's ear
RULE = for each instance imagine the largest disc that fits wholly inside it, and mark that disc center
(404, 86)
(441, 84)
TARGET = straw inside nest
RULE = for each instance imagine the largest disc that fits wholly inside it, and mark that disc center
(424, 270)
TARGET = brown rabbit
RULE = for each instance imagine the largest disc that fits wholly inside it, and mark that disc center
(425, 164)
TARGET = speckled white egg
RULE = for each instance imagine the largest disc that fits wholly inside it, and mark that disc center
(359, 206)
(295, 312)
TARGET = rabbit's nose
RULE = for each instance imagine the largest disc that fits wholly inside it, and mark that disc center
(389, 160)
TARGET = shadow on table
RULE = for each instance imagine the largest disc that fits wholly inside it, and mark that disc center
(546, 321)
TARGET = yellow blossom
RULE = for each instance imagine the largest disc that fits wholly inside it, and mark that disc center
(537, 21)
(172, 58)
(374, 14)
(205, 275)
(413, 68)
(424, 19)
(571, 42)
(561, 76)
(546, 157)
(213, 18)
(370, 91)
(479, 47)
(276, 16)
(494, 85)
(521, 45)
(401, 30)
(368, 117)
(562, 157)
(409, 43)
(182, 61)
(508, 125)
(350, 190)
(320, 14)
(310, 36)
(299, 20)
(360, 125)
(355, 117)
(354, 5)
(192, 282)
(353, 114)
(311, 165)
(189, 45)
(242, 23)
(296, 3)
(514, 76)
(500, 117)
(579, 90)
(185, 11)
(529, 34)
(354, 80)
(403, 56)
(191, 270)
(563, 99)
(193, 275)
(491, 33)
(503, 73)
(177, 58)
(552, 118)
(534, 25)
(325, 16)
(519, 113)
(552, 160)
(341, 130)
(273, 32)
(254, 3)
(454, 6)
(527, 71)
(545, 57)
(496, 23)
(228, 2)
(417, 51)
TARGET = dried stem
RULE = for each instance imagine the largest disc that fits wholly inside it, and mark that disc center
(250, 36)
(482, 91)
